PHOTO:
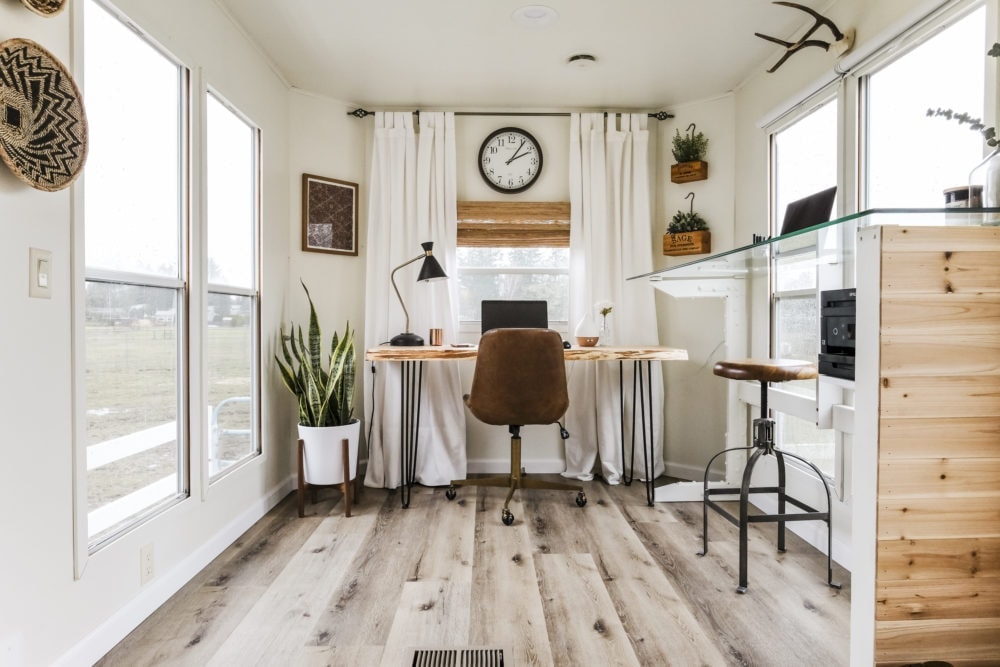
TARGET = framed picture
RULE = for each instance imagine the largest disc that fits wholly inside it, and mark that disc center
(329, 215)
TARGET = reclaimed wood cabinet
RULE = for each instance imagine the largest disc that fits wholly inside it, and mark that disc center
(928, 404)
(923, 487)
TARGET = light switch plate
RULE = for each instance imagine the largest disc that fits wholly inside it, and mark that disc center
(39, 273)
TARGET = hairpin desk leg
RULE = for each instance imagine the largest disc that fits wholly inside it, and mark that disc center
(642, 398)
(411, 387)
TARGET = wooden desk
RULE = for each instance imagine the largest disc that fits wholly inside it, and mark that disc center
(412, 359)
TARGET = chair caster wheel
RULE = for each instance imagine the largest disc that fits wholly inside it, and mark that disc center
(450, 493)
(581, 499)
(507, 517)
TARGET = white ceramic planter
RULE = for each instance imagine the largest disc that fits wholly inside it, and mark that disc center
(323, 452)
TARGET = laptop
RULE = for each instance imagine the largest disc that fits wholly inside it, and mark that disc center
(808, 211)
(514, 313)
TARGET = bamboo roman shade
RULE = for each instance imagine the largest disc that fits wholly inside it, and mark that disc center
(496, 224)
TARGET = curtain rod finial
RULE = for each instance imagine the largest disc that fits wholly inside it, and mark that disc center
(360, 113)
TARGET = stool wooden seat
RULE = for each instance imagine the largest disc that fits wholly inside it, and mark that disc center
(769, 370)
(765, 371)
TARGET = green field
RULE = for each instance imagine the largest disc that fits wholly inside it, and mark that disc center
(131, 375)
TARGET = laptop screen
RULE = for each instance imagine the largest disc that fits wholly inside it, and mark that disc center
(505, 314)
(808, 211)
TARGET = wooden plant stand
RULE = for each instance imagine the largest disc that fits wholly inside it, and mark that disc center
(345, 486)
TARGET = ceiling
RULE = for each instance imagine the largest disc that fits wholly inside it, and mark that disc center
(471, 54)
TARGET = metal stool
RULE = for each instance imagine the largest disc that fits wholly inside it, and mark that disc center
(765, 371)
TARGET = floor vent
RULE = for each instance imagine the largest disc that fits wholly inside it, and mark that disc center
(458, 657)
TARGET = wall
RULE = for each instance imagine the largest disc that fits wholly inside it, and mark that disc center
(45, 613)
(695, 324)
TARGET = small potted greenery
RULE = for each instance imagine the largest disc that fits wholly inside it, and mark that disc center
(687, 233)
(323, 384)
(689, 150)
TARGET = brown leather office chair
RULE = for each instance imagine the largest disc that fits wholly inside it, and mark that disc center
(520, 379)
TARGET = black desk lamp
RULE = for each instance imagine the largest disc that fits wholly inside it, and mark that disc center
(429, 270)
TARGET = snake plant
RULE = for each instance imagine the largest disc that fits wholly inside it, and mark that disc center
(325, 395)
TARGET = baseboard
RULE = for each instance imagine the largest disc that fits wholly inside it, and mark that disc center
(683, 492)
(93, 647)
(684, 471)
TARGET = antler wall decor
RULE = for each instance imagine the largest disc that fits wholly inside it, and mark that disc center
(842, 44)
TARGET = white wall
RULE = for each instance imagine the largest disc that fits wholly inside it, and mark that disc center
(45, 613)
(326, 142)
(695, 414)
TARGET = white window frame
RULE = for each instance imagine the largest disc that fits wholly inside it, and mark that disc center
(252, 292)
(782, 400)
(532, 222)
(84, 546)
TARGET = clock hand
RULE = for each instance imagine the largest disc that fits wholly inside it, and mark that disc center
(515, 156)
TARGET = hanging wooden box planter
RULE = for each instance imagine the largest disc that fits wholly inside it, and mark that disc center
(687, 243)
(685, 172)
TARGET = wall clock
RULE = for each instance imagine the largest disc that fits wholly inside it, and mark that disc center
(510, 160)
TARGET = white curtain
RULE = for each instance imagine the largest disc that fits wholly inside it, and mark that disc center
(610, 236)
(412, 200)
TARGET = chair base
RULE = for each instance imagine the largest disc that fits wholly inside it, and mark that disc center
(515, 480)
(764, 446)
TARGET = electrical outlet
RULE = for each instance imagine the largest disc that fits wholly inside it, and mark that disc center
(145, 563)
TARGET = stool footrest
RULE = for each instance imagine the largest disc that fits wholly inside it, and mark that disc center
(809, 514)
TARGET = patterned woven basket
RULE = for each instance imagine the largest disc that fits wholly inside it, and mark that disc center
(43, 126)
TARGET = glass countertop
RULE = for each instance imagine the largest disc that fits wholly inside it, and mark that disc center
(833, 239)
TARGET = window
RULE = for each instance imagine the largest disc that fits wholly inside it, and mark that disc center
(513, 250)
(134, 294)
(913, 158)
(231, 339)
(803, 161)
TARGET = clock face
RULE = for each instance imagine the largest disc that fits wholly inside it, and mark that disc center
(510, 160)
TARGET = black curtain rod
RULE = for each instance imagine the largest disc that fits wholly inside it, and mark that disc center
(361, 113)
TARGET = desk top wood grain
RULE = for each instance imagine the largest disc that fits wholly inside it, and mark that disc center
(575, 353)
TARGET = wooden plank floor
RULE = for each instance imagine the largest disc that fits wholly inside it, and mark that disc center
(613, 583)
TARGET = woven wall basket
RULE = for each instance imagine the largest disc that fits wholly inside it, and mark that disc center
(45, 7)
(43, 127)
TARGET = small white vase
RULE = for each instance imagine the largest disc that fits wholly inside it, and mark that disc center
(605, 332)
(323, 457)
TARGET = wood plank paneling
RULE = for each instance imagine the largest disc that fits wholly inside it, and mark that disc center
(939, 478)
(933, 354)
(900, 559)
(959, 641)
(940, 397)
(941, 272)
(939, 239)
(939, 314)
(937, 599)
(955, 438)
(938, 551)
(935, 517)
